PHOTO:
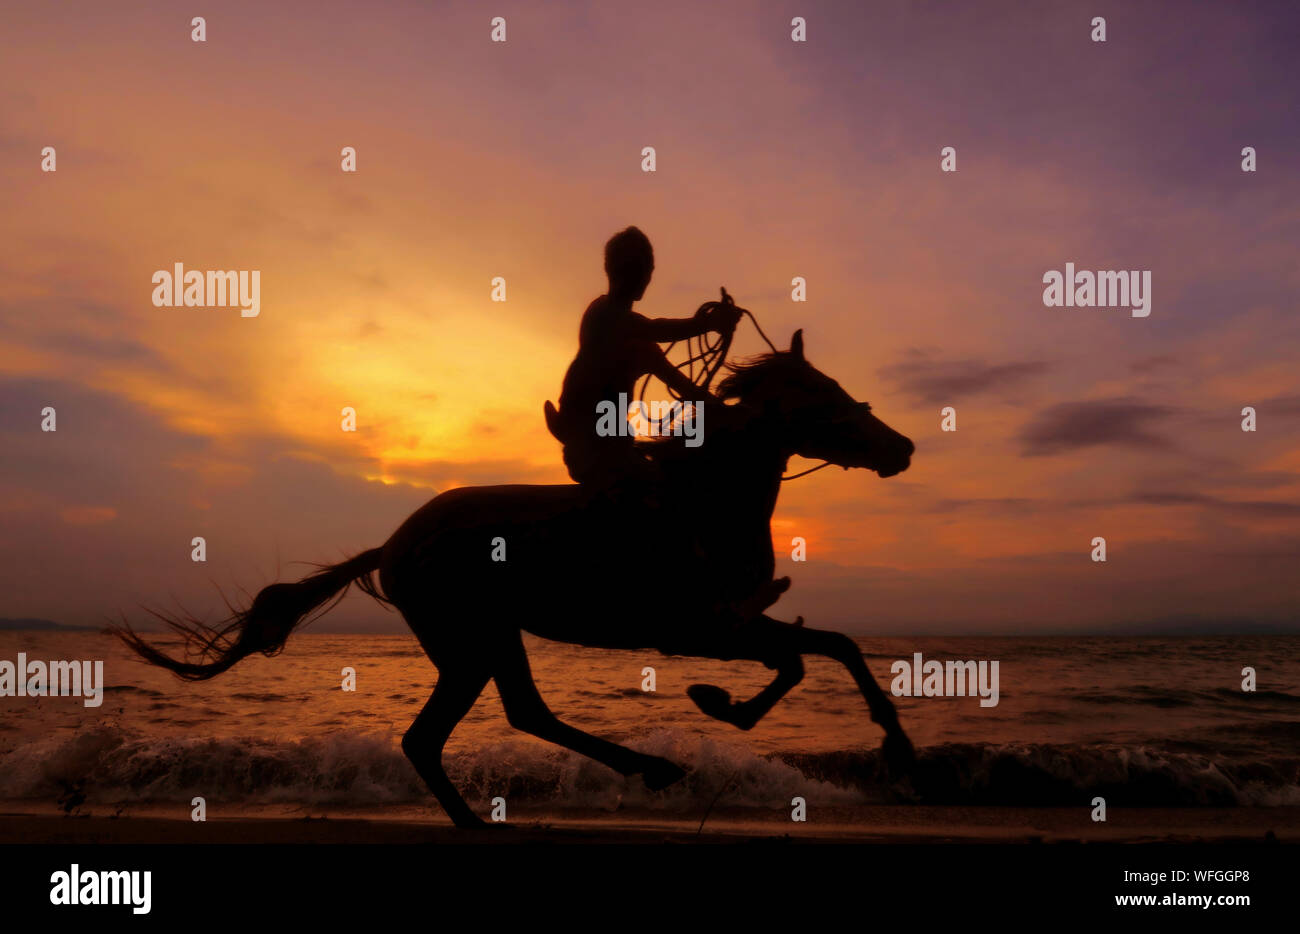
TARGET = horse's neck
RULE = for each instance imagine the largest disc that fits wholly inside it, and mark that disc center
(743, 467)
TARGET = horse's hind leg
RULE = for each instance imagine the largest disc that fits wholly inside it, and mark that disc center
(526, 711)
(453, 696)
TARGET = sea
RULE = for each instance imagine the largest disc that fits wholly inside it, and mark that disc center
(1156, 722)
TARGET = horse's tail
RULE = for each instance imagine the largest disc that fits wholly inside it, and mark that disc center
(264, 627)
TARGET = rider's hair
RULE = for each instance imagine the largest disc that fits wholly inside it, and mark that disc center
(628, 256)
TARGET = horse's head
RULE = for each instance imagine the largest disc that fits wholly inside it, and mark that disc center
(819, 419)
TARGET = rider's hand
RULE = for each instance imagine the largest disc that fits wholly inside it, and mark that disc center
(723, 317)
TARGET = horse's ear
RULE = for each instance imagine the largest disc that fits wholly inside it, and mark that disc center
(796, 344)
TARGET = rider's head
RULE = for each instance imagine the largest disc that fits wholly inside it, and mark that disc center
(629, 261)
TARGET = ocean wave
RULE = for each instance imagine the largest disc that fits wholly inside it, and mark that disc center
(108, 765)
(1234, 694)
(1137, 696)
(1149, 696)
(131, 689)
(1041, 774)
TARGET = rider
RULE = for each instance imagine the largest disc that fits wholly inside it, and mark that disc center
(616, 347)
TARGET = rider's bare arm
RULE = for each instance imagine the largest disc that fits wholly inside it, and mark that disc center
(661, 367)
(661, 330)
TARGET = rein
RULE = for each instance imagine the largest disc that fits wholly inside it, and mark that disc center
(711, 355)
(804, 473)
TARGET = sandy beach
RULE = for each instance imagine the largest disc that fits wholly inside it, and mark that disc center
(878, 825)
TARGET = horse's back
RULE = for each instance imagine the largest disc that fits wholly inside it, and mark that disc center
(522, 500)
(472, 532)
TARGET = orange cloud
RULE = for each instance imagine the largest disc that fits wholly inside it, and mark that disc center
(87, 515)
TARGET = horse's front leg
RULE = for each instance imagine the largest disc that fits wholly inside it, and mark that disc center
(717, 702)
(897, 748)
(775, 643)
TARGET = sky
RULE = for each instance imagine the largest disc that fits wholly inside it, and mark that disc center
(774, 159)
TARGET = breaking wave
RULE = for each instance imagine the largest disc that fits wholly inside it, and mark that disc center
(111, 766)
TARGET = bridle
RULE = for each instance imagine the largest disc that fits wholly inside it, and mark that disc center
(710, 355)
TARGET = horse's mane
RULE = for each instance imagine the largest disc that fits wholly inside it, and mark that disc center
(744, 375)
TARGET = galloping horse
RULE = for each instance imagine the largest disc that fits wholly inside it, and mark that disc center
(598, 571)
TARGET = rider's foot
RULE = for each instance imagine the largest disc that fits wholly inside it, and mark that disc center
(761, 599)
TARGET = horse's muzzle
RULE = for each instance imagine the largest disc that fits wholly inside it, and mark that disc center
(899, 460)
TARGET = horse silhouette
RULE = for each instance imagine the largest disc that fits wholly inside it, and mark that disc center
(598, 571)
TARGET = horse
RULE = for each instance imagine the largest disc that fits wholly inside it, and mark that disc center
(475, 567)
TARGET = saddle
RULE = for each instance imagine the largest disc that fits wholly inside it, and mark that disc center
(739, 612)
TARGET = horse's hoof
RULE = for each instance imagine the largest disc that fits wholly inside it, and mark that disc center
(468, 820)
(898, 753)
(712, 700)
(661, 774)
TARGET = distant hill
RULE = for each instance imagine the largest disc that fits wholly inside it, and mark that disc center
(29, 624)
